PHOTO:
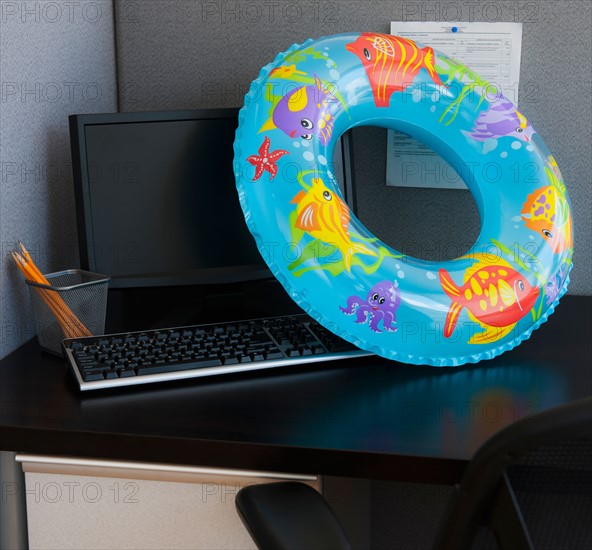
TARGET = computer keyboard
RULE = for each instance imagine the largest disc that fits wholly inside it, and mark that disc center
(202, 350)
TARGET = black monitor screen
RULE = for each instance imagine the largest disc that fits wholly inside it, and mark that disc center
(156, 199)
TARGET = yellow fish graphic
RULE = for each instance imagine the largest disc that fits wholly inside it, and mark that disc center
(324, 216)
(546, 211)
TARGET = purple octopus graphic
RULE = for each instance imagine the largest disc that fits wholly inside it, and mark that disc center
(381, 304)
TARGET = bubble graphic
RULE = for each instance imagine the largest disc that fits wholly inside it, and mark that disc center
(489, 145)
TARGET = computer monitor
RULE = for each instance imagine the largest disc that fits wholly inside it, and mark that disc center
(156, 198)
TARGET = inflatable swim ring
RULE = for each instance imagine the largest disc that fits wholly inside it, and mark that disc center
(439, 313)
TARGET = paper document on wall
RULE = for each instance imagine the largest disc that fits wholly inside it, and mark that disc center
(492, 50)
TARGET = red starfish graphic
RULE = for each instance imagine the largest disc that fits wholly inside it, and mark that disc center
(266, 160)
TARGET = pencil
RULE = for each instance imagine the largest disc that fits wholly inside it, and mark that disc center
(71, 325)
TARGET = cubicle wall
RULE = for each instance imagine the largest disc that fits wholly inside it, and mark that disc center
(57, 58)
(187, 54)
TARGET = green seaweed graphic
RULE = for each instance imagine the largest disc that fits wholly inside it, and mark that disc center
(301, 55)
(453, 71)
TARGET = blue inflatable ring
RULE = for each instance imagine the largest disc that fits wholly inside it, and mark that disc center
(448, 313)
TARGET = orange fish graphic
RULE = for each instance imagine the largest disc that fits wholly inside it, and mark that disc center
(391, 63)
(496, 296)
(547, 212)
(324, 216)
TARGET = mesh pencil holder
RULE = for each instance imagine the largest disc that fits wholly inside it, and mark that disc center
(73, 304)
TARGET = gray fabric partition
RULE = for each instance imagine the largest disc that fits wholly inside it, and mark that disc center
(190, 53)
(57, 58)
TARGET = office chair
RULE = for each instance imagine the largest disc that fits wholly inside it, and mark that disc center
(530, 484)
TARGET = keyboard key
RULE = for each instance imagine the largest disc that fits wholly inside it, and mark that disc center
(85, 365)
(338, 346)
(179, 367)
(91, 376)
(127, 373)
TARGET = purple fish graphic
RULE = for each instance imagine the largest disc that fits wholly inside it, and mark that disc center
(499, 120)
(304, 112)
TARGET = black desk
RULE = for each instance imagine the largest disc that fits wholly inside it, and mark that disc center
(367, 418)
